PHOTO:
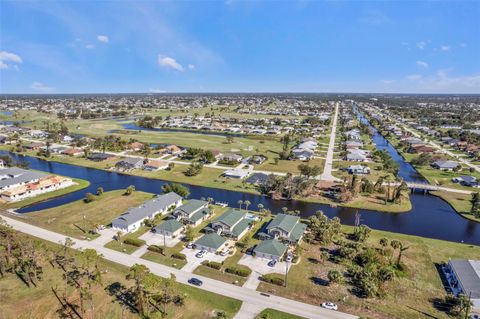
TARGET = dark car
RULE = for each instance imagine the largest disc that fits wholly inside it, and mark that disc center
(195, 281)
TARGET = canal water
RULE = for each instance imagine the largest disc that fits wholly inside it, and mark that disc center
(430, 216)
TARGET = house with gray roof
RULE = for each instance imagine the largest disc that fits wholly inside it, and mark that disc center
(132, 219)
(170, 228)
(271, 249)
(192, 212)
(14, 176)
(232, 223)
(445, 165)
(212, 242)
(464, 278)
(129, 163)
(284, 227)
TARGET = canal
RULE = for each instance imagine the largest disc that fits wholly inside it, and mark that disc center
(430, 217)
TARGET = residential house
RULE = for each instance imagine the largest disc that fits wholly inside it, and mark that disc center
(170, 228)
(237, 173)
(129, 163)
(212, 242)
(136, 146)
(192, 212)
(99, 157)
(34, 188)
(155, 165)
(466, 180)
(270, 249)
(232, 223)
(285, 227)
(73, 152)
(132, 219)
(358, 170)
(445, 165)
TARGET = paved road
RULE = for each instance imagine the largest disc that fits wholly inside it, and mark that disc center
(252, 298)
(327, 169)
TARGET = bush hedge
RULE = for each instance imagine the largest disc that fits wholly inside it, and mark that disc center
(179, 256)
(241, 271)
(134, 242)
(156, 249)
(273, 279)
(212, 264)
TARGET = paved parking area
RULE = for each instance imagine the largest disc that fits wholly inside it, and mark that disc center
(259, 267)
(156, 239)
(193, 262)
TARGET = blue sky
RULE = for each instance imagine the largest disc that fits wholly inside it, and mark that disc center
(239, 46)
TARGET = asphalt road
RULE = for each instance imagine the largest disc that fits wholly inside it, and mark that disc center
(251, 299)
(327, 169)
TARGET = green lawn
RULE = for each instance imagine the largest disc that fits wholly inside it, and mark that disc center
(460, 202)
(69, 219)
(275, 314)
(416, 290)
(164, 260)
(18, 301)
(120, 246)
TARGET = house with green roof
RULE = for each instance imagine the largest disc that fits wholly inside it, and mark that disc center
(192, 212)
(232, 224)
(212, 242)
(286, 228)
(271, 249)
(170, 228)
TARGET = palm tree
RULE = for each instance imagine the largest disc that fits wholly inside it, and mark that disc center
(138, 273)
(384, 244)
(240, 203)
(400, 252)
(260, 207)
(247, 203)
(395, 245)
(334, 276)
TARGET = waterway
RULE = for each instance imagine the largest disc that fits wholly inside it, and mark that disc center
(430, 217)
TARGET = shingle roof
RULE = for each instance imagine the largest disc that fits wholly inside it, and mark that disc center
(212, 240)
(240, 227)
(170, 225)
(17, 176)
(284, 221)
(231, 217)
(191, 206)
(468, 274)
(271, 247)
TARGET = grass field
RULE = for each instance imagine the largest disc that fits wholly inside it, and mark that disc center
(69, 219)
(18, 301)
(407, 297)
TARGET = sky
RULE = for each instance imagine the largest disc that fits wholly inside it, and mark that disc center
(239, 46)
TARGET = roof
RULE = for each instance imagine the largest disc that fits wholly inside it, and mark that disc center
(199, 215)
(170, 225)
(130, 161)
(257, 178)
(297, 231)
(468, 274)
(15, 175)
(231, 217)
(148, 208)
(271, 247)
(284, 222)
(446, 164)
(191, 206)
(212, 240)
(240, 227)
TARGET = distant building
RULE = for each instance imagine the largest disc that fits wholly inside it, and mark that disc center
(445, 165)
(464, 278)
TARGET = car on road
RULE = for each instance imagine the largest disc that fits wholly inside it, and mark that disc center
(195, 281)
(272, 263)
(329, 305)
(289, 258)
(200, 254)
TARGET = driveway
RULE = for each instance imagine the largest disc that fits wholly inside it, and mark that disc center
(259, 267)
(156, 239)
(193, 262)
(106, 235)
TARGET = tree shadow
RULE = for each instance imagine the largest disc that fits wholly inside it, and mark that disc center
(122, 295)
(319, 281)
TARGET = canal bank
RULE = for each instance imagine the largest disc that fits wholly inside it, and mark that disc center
(430, 216)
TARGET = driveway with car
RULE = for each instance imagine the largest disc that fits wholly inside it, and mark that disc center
(156, 239)
(193, 261)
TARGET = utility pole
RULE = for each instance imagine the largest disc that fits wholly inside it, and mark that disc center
(286, 273)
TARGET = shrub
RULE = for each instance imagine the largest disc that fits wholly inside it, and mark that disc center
(179, 256)
(156, 249)
(212, 264)
(239, 271)
(273, 279)
(134, 242)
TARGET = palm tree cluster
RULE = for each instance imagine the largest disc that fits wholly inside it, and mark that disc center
(287, 186)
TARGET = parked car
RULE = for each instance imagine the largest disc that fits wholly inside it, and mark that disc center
(225, 252)
(195, 281)
(201, 253)
(329, 305)
(289, 258)
(190, 245)
(272, 263)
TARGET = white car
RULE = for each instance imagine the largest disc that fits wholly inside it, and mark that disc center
(201, 253)
(289, 258)
(225, 252)
(329, 305)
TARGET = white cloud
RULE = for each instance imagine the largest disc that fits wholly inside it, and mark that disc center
(421, 45)
(414, 77)
(169, 62)
(90, 46)
(102, 38)
(422, 64)
(8, 59)
(191, 66)
(443, 82)
(156, 91)
(445, 48)
(40, 87)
